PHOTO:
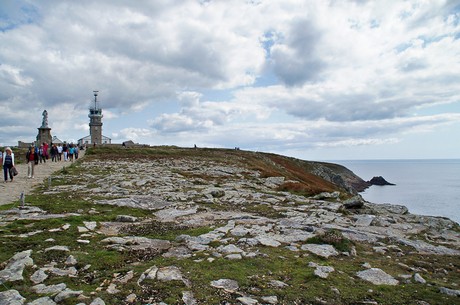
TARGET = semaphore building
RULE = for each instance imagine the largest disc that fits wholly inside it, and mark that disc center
(95, 127)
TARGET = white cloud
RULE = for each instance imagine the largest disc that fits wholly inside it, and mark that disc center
(135, 134)
(287, 73)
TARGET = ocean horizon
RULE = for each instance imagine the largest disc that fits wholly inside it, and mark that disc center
(425, 186)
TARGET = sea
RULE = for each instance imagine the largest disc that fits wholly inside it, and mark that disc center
(425, 187)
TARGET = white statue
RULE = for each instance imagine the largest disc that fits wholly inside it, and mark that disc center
(45, 119)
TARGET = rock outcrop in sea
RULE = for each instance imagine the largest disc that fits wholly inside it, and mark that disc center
(379, 180)
(179, 226)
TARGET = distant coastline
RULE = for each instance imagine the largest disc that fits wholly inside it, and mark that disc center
(424, 186)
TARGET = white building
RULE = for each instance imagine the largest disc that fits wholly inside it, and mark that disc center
(56, 140)
(87, 140)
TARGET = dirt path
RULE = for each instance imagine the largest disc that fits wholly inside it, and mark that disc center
(11, 191)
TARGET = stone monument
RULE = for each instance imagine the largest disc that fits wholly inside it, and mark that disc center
(44, 132)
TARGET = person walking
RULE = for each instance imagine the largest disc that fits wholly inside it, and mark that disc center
(41, 152)
(71, 152)
(54, 153)
(45, 150)
(59, 150)
(8, 163)
(31, 158)
(65, 150)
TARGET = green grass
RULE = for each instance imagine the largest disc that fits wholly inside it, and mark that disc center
(163, 230)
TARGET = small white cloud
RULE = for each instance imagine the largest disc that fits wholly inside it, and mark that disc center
(136, 134)
(13, 76)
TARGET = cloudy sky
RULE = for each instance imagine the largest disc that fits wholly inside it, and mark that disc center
(318, 80)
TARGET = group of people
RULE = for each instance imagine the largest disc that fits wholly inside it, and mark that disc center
(69, 151)
(38, 154)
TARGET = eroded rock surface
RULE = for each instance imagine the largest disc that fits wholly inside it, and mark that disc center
(245, 212)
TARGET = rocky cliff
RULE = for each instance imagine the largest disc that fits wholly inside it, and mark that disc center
(167, 225)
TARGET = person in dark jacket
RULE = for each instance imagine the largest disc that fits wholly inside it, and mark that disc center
(8, 163)
(54, 153)
(32, 159)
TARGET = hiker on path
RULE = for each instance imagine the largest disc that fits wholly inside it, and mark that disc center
(59, 150)
(41, 151)
(31, 158)
(65, 150)
(54, 153)
(8, 163)
(71, 152)
(45, 150)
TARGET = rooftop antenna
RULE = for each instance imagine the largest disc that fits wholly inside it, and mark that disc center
(95, 98)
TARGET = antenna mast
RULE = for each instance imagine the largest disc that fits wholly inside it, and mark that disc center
(95, 98)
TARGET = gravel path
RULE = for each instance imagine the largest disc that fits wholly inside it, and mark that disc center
(11, 191)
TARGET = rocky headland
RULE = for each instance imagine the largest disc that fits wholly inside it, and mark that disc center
(168, 225)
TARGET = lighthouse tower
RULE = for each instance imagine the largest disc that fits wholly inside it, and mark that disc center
(95, 122)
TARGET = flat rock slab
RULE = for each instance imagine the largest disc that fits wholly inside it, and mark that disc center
(58, 248)
(171, 273)
(323, 271)
(226, 284)
(11, 297)
(273, 299)
(426, 248)
(188, 298)
(268, 241)
(149, 274)
(247, 301)
(171, 214)
(377, 277)
(178, 252)
(164, 274)
(139, 202)
(277, 284)
(448, 291)
(363, 220)
(51, 289)
(38, 276)
(320, 250)
(23, 211)
(137, 243)
(90, 225)
(43, 301)
(228, 249)
(15, 267)
(67, 293)
(97, 301)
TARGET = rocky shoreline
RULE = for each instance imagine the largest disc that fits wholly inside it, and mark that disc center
(338, 238)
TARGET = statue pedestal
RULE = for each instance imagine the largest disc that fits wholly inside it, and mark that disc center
(44, 135)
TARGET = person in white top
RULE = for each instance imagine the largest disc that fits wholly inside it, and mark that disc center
(59, 149)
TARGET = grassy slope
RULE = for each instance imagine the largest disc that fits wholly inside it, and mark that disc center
(270, 165)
